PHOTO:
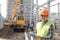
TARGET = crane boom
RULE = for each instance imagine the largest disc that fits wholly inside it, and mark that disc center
(17, 21)
(15, 8)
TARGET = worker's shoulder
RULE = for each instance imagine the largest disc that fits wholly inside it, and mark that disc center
(51, 23)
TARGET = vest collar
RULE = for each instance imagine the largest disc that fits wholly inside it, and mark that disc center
(44, 22)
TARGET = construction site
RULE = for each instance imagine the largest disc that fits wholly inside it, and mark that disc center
(18, 19)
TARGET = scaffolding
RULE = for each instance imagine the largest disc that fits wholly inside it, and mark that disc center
(38, 7)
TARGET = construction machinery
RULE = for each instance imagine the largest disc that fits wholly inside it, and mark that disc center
(16, 21)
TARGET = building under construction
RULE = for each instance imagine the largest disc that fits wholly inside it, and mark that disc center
(22, 15)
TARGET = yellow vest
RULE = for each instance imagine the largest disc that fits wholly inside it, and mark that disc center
(43, 31)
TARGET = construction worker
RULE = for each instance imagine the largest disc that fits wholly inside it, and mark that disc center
(44, 28)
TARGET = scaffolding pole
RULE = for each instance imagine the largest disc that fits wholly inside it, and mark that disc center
(48, 7)
(36, 11)
(31, 12)
(58, 10)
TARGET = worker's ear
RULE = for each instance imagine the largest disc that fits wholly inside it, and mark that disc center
(47, 16)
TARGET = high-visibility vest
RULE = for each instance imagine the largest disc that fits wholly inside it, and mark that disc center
(43, 31)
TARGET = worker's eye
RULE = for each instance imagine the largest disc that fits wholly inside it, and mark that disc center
(44, 15)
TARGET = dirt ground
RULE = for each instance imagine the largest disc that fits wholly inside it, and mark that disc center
(7, 34)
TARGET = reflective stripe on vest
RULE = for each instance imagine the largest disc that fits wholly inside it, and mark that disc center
(44, 30)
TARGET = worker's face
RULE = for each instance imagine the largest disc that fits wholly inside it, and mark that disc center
(44, 18)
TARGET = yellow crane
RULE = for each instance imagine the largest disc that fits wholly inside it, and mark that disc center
(16, 22)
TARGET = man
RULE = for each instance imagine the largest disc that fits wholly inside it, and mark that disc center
(44, 28)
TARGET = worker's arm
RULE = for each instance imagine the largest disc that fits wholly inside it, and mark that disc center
(50, 34)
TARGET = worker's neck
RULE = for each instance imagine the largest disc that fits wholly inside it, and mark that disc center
(44, 21)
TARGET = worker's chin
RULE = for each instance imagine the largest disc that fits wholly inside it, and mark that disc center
(43, 20)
